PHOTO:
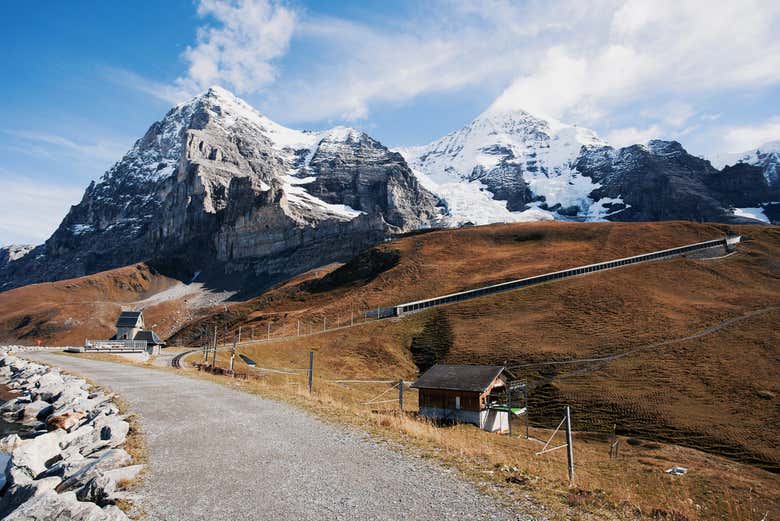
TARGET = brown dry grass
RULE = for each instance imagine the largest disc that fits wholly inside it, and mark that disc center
(68, 311)
(634, 486)
(715, 393)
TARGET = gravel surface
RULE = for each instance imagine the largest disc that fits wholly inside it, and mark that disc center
(216, 453)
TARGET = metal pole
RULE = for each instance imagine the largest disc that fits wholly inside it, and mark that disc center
(324, 324)
(525, 395)
(569, 449)
(239, 334)
(311, 370)
(299, 328)
(401, 394)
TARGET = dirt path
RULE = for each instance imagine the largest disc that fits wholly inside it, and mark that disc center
(622, 354)
(216, 453)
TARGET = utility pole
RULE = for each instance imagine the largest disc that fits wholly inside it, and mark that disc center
(569, 449)
(401, 394)
(311, 370)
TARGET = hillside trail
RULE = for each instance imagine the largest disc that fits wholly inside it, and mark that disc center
(220, 454)
(611, 358)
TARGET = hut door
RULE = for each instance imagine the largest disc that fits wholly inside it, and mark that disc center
(457, 403)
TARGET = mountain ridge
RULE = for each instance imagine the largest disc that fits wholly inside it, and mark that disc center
(217, 187)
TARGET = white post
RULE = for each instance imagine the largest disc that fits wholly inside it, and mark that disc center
(569, 449)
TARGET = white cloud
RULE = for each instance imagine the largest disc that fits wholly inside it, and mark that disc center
(101, 150)
(238, 51)
(32, 210)
(593, 63)
(623, 137)
(168, 93)
(743, 138)
(673, 47)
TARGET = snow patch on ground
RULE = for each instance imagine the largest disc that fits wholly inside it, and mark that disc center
(752, 213)
(597, 211)
(298, 196)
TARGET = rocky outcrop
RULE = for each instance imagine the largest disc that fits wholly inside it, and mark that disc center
(72, 463)
(13, 252)
(218, 188)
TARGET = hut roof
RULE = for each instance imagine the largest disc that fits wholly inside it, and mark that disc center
(148, 335)
(128, 318)
(473, 378)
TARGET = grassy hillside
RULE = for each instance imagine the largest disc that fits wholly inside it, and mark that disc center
(68, 311)
(716, 392)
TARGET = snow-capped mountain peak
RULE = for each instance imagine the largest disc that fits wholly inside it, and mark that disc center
(766, 156)
(507, 166)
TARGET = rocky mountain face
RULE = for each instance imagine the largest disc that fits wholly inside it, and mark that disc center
(218, 188)
(513, 166)
(13, 252)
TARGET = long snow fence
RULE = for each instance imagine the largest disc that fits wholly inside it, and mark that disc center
(729, 243)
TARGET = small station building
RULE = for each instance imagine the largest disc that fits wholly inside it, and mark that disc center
(478, 394)
(130, 326)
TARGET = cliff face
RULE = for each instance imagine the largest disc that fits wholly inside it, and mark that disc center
(216, 187)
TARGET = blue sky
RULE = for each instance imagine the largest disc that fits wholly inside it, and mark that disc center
(83, 80)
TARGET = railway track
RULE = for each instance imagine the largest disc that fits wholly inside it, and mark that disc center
(176, 360)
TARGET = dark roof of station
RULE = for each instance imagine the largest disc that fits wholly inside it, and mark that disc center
(472, 378)
(128, 318)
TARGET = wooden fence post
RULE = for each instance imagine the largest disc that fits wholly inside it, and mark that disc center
(233, 354)
(401, 394)
(311, 370)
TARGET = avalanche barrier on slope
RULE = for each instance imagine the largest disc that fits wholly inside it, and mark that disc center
(727, 243)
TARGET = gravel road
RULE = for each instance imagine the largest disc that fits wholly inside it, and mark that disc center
(216, 453)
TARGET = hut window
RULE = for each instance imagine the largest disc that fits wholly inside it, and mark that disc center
(457, 402)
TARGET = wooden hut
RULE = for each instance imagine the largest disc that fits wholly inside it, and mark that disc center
(466, 393)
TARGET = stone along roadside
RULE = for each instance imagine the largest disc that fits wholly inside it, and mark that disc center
(70, 465)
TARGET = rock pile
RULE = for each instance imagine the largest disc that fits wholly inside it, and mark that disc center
(70, 466)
